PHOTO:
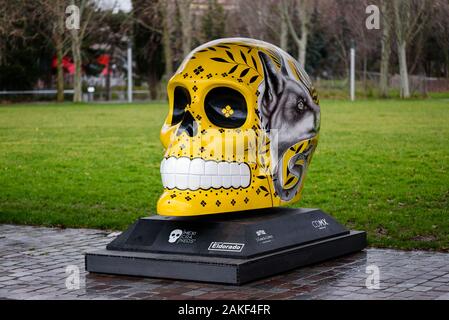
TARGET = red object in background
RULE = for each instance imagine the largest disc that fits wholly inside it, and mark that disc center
(104, 59)
(67, 64)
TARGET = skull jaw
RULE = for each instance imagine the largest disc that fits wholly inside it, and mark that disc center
(179, 206)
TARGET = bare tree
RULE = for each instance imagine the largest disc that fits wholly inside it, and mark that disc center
(257, 19)
(148, 36)
(167, 30)
(87, 9)
(386, 47)
(186, 25)
(55, 32)
(162, 12)
(439, 18)
(47, 17)
(11, 22)
(112, 34)
(409, 18)
(304, 11)
(283, 43)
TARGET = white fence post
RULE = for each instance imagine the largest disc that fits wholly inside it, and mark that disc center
(352, 75)
(130, 73)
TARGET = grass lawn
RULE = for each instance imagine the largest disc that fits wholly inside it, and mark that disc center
(381, 166)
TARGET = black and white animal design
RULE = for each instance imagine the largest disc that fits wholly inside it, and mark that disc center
(287, 110)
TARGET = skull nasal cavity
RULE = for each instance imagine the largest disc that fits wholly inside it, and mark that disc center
(188, 125)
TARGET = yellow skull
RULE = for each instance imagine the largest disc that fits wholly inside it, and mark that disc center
(241, 129)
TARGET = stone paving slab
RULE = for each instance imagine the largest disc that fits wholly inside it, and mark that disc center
(33, 262)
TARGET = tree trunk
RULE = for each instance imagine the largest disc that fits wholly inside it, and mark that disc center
(108, 74)
(402, 57)
(284, 33)
(153, 85)
(77, 77)
(365, 71)
(167, 41)
(403, 26)
(304, 14)
(386, 50)
(108, 82)
(186, 26)
(303, 44)
(59, 71)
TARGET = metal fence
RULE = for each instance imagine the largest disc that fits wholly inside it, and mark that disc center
(366, 86)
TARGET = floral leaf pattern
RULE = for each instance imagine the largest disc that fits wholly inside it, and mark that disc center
(247, 61)
(254, 63)
(232, 70)
(219, 60)
(244, 72)
(254, 78)
(243, 56)
(230, 55)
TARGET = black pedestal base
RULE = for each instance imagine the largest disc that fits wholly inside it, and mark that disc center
(233, 248)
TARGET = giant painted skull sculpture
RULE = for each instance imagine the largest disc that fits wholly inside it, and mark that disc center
(241, 130)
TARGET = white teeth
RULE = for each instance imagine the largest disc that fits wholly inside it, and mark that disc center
(223, 169)
(227, 181)
(170, 165)
(211, 168)
(182, 165)
(194, 182)
(183, 173)
(235, 170)
(216, 182)
(236, 181)
(197, 167)
(245, 175)
(206, 182)
(182, 181)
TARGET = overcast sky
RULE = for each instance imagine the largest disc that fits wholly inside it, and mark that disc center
(124, 5)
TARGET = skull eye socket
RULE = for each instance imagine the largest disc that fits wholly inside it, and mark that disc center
(226, 107)
(181, 99)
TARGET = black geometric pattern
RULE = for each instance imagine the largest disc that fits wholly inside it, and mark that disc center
(198, 70)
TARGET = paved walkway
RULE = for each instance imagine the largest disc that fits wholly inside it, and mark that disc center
(33, 262)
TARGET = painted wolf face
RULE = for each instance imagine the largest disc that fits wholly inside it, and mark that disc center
(241, 129)
(288, 111)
